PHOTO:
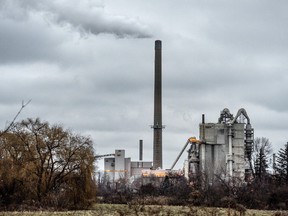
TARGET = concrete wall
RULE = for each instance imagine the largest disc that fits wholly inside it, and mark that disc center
(138, 166)
(238, 150)
(128, 167)
(119, 164)
(109, 167)
(214, 153)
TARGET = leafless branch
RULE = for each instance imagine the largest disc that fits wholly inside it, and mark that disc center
(15, 117)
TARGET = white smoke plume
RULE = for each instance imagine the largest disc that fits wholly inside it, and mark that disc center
(86, 16)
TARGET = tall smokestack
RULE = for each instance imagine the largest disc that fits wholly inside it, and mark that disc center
(140, 150)
(157, 144)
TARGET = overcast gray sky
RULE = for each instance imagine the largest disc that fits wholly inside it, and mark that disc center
(89, 65)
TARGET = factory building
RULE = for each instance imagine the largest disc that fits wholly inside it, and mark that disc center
(224, 148)
(120, 167)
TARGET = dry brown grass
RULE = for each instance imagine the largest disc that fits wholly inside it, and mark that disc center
(147, 210)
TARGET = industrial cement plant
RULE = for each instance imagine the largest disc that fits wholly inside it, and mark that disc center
(223, 147)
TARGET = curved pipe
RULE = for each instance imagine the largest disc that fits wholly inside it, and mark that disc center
(243, 112)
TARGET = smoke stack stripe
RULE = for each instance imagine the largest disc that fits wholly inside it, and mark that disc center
(157, 144)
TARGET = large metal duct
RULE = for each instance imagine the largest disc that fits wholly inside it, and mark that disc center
(157, 143)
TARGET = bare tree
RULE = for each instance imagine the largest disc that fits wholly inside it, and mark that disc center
(264, 144)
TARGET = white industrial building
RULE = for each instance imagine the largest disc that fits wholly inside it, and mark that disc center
(121, 167)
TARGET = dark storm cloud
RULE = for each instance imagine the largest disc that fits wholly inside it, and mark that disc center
(85, 16)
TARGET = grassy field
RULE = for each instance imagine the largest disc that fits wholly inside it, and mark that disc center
(121, 210)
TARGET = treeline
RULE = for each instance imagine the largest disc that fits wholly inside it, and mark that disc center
(45, 166)
(265, 194)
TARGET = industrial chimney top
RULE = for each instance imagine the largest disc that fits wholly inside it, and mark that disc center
(158, 44)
